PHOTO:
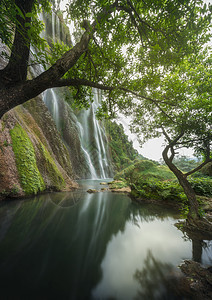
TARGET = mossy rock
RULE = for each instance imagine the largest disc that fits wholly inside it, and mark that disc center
(117, 184)
(30, 177)
(50, 170)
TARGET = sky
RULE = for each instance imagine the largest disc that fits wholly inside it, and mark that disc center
(154, 147)
(151, 149)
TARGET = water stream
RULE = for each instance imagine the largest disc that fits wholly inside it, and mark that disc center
(76, 245)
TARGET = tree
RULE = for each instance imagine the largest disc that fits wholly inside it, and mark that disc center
(116, 33)
(124, 47)
(182, 115)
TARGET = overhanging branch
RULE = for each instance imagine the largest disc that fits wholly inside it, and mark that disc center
(77, 82)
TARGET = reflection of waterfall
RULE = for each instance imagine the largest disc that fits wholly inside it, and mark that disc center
(83, 134)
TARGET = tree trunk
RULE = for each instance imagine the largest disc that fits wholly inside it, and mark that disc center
(187, 188)
(16, 70)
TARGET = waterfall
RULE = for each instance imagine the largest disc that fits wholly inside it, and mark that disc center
(53, 26)
(87, 156)
(93, 137)
(81, 129)
(51, 100)
(58, 28)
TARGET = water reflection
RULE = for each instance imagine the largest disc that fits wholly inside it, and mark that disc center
(66, 199)
(127, 251)
(202, 251)
(157, 280)
(83, 246)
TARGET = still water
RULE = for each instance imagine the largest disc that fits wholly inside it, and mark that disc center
(89, 246)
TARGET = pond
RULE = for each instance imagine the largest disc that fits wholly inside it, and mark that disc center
(76, 245)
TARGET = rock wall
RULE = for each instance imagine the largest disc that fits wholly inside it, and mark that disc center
(66, 123)
(33, 157)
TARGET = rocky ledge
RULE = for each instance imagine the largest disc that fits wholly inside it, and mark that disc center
(197, 283)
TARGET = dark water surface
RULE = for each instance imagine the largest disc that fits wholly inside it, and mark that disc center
(89, 246)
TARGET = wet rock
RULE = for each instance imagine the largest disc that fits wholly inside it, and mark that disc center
(103, 183)
(92, 191)
(122, 190)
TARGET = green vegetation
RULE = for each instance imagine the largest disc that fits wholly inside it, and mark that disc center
(13, 192)
(145, 169)
(202, 186)
(149, 180)
(50, 169)
(117, 184)
(30, 177)
(122, 151)
(207, 170)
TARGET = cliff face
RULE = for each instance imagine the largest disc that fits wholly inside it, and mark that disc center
(33, 157)
(66, 122)
(121, 149)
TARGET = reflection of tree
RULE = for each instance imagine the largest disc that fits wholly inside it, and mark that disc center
(197, 250)
(198, 246)
(158, 280)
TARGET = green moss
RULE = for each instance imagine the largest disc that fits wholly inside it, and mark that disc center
(30, 177)
(51, 170)
(117, 184)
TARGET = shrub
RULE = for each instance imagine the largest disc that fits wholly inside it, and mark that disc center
(202, 186)
(156, 189)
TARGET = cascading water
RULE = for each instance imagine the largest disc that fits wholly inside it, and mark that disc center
(87, 156)
(51, 100)
(86, 129)
(92, 137)
(53, 26)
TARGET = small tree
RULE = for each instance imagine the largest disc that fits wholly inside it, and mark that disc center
(182, 114)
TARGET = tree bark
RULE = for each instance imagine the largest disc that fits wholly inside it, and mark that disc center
(187, 188)
(16, 69)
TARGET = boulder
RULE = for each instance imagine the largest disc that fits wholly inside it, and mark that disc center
(92, 191)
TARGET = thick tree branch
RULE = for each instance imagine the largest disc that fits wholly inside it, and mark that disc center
(207, 158)
(198, 168)
(170, 146)
(66, 62)
(78, 82)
